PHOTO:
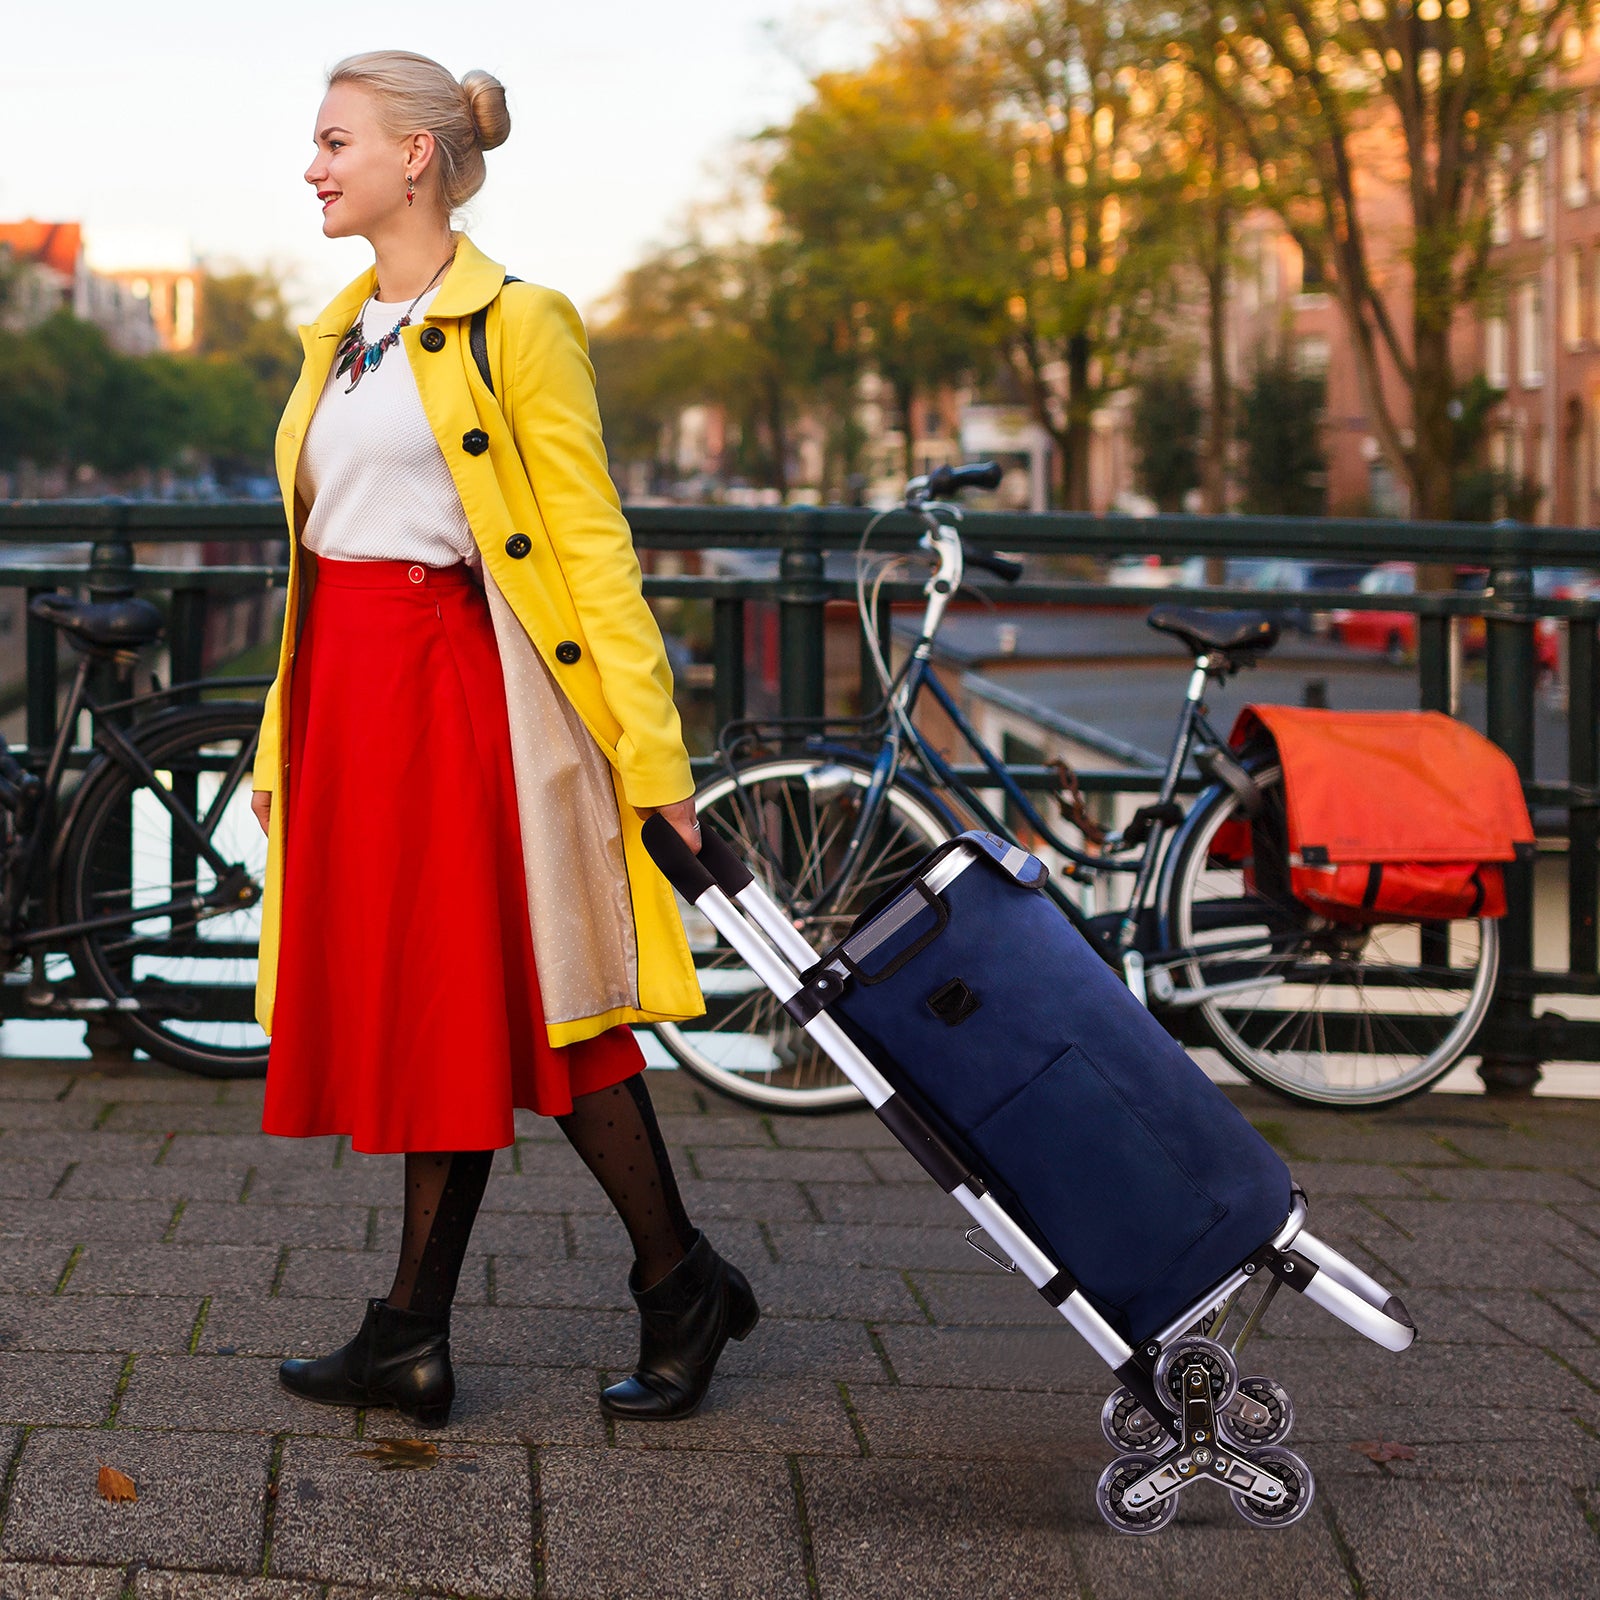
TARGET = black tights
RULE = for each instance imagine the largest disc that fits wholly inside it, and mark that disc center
(615, 1132)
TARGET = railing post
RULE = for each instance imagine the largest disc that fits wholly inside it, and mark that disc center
(727, 656)
(42, 669)
(1583, 772)
(186, 640)
(802, 632)
(1433, 662)
(1510, 1064)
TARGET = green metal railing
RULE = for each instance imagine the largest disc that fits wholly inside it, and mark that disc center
(1514, 1041)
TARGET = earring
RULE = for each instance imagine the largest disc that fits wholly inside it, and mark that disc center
(411, 189)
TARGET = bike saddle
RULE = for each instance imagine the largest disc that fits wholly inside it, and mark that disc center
(105, 624)
(1231, 632)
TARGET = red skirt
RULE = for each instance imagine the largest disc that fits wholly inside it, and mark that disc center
(407, 1012)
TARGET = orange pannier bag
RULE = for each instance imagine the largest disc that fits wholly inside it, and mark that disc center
(1393, 816)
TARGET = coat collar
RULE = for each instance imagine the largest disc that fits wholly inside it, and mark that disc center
(471, 283)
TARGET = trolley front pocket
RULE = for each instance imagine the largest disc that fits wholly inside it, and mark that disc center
(1113, 1201)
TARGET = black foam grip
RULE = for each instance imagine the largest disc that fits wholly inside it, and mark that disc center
(679, 864)
(719, 858)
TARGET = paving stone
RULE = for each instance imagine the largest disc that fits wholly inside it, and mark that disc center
(228, 1222)
(36, 1386)
(118, 1181)
(710, 1200)
(996, 1358)
(173, 1269)
(966, 1298)
(269, 1156)
(281, 1327)
(718, 1526)
(1456, 1262)
(1559, 1321)
(75, 1221)
(208, 1586)
(804, 1166)
(535, 1405)
(786, 1415)
(605, 1239)
(859, 1293)
(912, 1204)
(358, 1274)
(781, 1347)
(849, 1130)
(78, 1322)
(238, 1393)
(145, 1082)
(30, 1580)
(1327, 1178)
(121, 1149)
(528, 1281)
(338, 1186)
(887, 1245)
(340, 1516)
(47, 1116)
(200, 1499)
(1301, 1562)
(896, 1165)
(181, 1117)
(898, 1530)
(1463, 1541)
(703, 1132)
(1483, 1183)
(529, 1336)
(1516, 1446)
(29, 1266)
(499, 1233)
(1047, 1430)
(30, 1180)
(33, 1080)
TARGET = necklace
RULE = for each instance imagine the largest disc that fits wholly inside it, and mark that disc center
(356, 356)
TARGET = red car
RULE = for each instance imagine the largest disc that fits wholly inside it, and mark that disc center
(1394, 633)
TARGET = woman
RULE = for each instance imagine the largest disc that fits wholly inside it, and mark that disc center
(472, 718)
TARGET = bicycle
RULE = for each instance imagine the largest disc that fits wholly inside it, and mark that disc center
(1324, 1013)
(142, 906)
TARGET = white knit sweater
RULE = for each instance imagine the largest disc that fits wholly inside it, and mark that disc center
(371, 470)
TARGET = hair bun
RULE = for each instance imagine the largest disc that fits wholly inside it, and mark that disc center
(487, 98)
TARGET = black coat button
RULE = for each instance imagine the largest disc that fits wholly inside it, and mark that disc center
(518, 545)
(474, 441)
(567, 653)
(433, 339)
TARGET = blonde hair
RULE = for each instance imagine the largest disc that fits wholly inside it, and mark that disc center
(414, 94)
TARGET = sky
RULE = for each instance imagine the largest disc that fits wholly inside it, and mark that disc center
(179, 125)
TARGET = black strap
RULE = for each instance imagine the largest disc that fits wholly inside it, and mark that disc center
(1374, 883)
(478, 339)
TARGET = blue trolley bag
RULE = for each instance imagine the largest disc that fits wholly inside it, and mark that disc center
(971, 991)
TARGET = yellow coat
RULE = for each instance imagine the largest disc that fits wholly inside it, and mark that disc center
(594, 729)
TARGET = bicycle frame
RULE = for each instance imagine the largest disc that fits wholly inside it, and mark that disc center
(196, 833)
(919, 675)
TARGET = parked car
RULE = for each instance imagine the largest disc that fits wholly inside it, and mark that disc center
(1394, 633)
(1286, 573)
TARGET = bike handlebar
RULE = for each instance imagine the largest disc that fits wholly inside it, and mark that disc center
(977, 475)
(1003, 567)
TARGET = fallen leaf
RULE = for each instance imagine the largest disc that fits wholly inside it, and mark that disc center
(410, 1455)
(115, 1486)
(1381, 1450)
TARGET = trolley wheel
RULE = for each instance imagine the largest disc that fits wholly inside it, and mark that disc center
(1298, 1484)
(1218, 1363)
(1116, 1425)
(1114, 1484)
(1274, 1399)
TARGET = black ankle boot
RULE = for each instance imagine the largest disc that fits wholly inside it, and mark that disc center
(685, 1321)
(399, 1359)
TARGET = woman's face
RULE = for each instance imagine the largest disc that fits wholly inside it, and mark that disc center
(358, 172)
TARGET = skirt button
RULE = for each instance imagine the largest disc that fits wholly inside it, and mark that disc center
(416, 574)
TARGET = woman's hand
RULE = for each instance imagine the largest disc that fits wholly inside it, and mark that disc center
(261, 804)
(681, 815)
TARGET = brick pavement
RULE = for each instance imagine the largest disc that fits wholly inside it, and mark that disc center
(905, 1420)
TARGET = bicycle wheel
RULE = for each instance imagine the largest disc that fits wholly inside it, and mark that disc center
(1325, 1013)
(181, 986)
(790, 821)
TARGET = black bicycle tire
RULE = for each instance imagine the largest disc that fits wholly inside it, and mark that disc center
(194, 725)
(732, 1089)
(1190, 842)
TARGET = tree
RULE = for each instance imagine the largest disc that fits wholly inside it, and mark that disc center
(1166, 437)
(245, 319)
(1338, 100)
(1280, 427)
(893, 191)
